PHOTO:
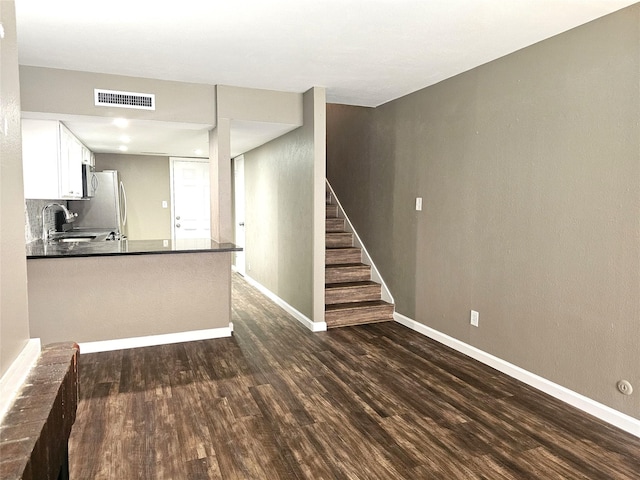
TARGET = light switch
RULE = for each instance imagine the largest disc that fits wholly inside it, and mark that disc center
(164, 204)
(418, 204)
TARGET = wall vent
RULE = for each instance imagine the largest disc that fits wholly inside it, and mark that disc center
(112, 98)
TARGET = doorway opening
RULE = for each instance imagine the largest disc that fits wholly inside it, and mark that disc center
(239, 213)
(190, 198)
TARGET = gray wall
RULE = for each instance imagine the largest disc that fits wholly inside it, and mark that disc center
(147, 182)
(105, 298)
(238, 106)
(280, 236)
(14, 318)
(50, 90)
(258, 105)
(529, 167)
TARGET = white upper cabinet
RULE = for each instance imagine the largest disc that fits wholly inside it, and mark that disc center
(70, 173)
(51, 160)
(88, 157)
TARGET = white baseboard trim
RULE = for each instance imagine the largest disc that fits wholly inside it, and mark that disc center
(152, 340)
(234, 269)
(13, 379)
(614, 417)
(302, 318)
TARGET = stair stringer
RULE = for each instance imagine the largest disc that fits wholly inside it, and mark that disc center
(366, 258)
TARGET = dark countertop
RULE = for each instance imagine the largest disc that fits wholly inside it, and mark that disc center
(38, 249)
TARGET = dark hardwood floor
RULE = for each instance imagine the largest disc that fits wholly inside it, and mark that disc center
(370, 402)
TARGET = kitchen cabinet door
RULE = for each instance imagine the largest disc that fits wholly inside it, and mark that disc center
(88, 157)
(51, 161)
(70, 171)
(40, 153)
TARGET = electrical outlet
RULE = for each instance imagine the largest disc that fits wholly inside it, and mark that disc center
(164, 204)
(475, 316)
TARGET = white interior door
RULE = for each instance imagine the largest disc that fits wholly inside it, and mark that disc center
(190, 198)
(238, 179)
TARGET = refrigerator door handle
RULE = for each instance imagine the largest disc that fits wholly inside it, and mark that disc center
(94, 183)
(123, 213)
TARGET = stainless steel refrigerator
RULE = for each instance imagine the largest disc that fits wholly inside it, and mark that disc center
(107, 209)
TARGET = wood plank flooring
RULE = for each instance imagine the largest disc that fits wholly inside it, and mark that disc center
(276, 401)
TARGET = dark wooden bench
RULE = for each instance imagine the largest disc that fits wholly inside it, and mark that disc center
(34, 434)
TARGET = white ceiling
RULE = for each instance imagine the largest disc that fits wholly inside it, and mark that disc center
(365, 52)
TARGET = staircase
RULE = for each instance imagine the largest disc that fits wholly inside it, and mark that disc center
(350, 297)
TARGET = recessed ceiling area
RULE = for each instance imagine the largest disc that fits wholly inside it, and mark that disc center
(246, 135)
(139, 137)
(147, 137)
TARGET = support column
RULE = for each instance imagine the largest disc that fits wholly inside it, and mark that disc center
(220, 181)
(315, 104)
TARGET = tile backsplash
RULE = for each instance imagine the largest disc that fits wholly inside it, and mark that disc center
(33, 218)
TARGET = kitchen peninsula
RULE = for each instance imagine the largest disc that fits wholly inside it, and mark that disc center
(117, 294)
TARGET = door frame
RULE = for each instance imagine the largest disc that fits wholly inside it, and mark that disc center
(240, 266)
(172, 161)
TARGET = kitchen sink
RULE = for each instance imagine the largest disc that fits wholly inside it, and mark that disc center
(76, 239)
(73, 236)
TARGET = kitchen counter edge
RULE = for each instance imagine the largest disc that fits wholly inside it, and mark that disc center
(38, 249)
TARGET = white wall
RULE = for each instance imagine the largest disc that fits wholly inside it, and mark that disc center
(14, 320)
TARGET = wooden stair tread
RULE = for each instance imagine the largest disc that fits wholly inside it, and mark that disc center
(334, 225)
(346, 265)
(339, 255)
(358, 313)
(358, 305)
(351, 297)
(351, 292)
(355, 322)
(331, 211)
(338, 239)
(363, 283)
(346, 272)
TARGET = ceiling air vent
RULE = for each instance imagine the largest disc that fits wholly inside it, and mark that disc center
(112, 98)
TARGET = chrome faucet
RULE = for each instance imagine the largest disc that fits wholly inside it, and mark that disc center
(68, 218)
